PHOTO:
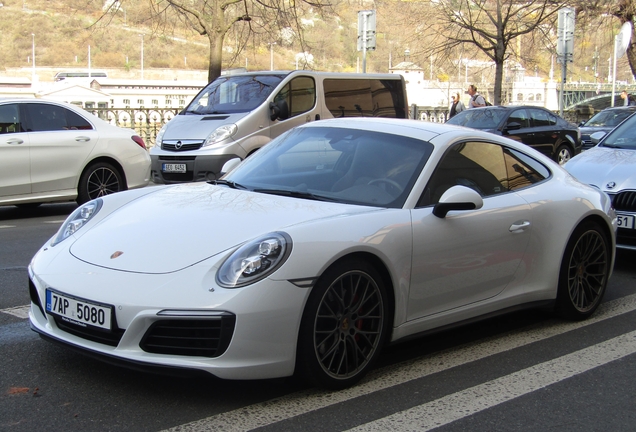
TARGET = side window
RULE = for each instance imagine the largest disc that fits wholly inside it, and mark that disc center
(519, 116)
(477, 165)
(45, 117)
(10, 119)
(542, 118)
(300, 94)
(365, 98)
(522, 170)
(77, 122)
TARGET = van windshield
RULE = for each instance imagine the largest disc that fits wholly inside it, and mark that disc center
(233, 94)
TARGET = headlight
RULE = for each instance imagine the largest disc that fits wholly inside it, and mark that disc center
(254, 260)
(159, 137)
(77, 220)
(220, 134)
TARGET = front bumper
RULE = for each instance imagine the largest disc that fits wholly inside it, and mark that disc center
(255, 334)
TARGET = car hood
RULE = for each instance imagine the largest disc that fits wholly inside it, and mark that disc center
(198, 127)
(601, 166)
(182, 225)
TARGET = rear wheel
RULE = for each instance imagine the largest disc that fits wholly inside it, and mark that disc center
(99, 179)
(344, 325)
(563, 154)
(584, 272)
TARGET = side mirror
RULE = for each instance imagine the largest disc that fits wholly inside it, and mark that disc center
(582, 123)
(513, 126)
(229, 166)
(279, 110)
(597, 136)
(458, 198)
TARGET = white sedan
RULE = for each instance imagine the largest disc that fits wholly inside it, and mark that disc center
(335, 239)
(52, 151)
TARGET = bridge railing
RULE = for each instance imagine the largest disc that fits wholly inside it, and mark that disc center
(148, 121)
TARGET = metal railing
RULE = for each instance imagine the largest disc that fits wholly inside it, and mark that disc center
(147, 121)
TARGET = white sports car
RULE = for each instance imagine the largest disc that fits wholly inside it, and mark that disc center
(335, 239)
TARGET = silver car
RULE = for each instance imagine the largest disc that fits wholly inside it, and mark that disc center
(611, 166)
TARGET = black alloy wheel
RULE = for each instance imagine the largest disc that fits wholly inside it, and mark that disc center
(344, 325)
(98, 180)
(584, 273)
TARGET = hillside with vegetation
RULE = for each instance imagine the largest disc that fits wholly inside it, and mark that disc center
(63, 30)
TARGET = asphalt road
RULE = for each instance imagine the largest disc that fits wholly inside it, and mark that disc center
(523, 371)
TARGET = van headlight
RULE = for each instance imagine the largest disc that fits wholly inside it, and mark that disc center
(77, 220)
(159, 137)
(220, 134)
(254, 260)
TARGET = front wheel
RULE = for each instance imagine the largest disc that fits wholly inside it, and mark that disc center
(99, 179)
(563, 154)
(344, 325)
(584, 272)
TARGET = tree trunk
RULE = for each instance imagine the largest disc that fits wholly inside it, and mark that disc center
(216, 56)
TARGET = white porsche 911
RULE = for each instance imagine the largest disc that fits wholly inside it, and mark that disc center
(335, 239)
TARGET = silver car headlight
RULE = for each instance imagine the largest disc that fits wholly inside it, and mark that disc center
(220, 134)
(254, 260)
(77, 220)
(159, 137)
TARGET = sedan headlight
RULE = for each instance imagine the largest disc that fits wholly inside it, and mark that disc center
(77, 220)
(254, 260)
(220, 134)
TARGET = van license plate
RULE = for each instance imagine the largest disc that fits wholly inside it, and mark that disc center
(173, 168)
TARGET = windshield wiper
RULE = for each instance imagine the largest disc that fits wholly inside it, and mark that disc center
(295, 194)
(228, 183)
(616, 146)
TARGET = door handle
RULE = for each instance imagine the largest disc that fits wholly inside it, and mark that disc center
(519, 226)
(15, 141)
(83, 139)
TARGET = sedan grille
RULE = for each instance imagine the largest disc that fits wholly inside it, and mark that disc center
(190, 337)
(625, 201)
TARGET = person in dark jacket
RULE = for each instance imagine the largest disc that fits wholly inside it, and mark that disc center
(456, 107)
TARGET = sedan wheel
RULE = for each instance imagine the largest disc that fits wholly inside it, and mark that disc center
(564, 154)
(584, 272)
(98, 180)
(344, 325)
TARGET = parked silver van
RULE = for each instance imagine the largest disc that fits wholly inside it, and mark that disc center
(235, 115)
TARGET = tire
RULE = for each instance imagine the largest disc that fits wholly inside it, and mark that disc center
(99, 179)
(563, 154)
(584, 272)
(344, 325)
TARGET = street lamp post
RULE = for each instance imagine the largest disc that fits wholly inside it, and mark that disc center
(271, 55)
(33, 57)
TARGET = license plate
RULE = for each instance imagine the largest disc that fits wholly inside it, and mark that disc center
(625, 221)
(78, 311)
(174, 168)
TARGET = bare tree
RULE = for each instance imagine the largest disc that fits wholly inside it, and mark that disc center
(490, 26)
(215, 18)
(623, 10)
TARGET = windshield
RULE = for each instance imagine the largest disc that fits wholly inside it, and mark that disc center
(609, 118)
(335, 164)
(233, 94)
(623, 136)
(479, 118)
